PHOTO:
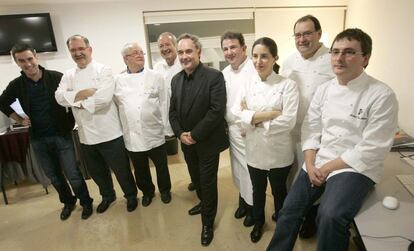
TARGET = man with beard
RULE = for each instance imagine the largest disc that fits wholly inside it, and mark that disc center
(88, 89)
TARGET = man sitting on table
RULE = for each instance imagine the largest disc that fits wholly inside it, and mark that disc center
(50, 127)
(346, 135)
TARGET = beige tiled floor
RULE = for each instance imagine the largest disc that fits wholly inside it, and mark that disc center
(31, 220)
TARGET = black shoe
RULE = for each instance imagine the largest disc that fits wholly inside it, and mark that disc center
(195, 210)
(308, 229)
(166, 197)
(240, 212)
(103, 206)
(132, 204)
(191, 187)
(146, 200)
(207, 235)
(274, 217)
(256, 233)
(66, 211)
(248, 221)
(87, 211)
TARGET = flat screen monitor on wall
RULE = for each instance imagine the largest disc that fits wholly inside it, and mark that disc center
(33, 29)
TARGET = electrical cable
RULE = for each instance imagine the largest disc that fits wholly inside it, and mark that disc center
(387, 237)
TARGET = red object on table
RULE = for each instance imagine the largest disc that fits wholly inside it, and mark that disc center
(14, 146)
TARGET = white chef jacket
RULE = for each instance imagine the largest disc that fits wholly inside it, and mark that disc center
(235, 80)
(355, 122)
(308, 75)
(139, 97)
(97, 116)
(168, 73)
(269, 146)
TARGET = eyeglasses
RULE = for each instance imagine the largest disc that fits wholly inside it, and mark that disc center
(348, 53)
(80, 49)
(306, 34)
(135, 53)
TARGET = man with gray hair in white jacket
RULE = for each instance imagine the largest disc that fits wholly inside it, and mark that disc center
(140, 96)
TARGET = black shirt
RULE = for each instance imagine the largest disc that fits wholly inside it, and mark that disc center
(187, 89)
(43, 125)
(19, 88)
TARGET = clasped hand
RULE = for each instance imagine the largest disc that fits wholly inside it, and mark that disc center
(186, 138)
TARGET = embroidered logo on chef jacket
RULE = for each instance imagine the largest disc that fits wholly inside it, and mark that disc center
(361, 114)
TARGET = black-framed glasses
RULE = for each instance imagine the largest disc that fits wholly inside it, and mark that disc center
(347, 53)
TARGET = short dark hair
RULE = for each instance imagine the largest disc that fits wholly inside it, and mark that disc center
(314, 20)
(232, 35)
(77, 36)
(356, 34)
(193, 38)
(20, 47)
(271, 45)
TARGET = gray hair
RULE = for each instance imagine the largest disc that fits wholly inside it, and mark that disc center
(193, 38)
(170, 35)
(127, 47)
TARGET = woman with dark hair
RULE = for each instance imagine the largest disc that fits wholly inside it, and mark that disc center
(267, 112)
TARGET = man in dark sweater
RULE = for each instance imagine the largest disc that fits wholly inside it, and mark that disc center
(50, 127)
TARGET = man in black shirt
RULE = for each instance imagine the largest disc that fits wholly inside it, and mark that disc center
(197, 107)
(50, 127)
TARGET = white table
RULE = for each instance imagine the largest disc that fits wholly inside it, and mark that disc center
(375, 220)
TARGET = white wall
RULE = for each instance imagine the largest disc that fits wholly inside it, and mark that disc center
(390, 24)
(331, 19)
(109, 25)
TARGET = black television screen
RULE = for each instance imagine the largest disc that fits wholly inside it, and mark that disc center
(33, 29)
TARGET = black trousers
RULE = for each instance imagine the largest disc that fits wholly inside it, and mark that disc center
(203, 172)
(158, 155)
(277, 178)
(101, 158)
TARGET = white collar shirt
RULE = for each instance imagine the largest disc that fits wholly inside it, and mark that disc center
(355, 122)
(96, 117)
(168, 73)
(139, 97)
(269, 145)
(308, 75)
(235, 80)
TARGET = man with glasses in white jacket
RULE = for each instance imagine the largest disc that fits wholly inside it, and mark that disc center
(346, 135)
(139, 94)
(88, 89)
(309, 67)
